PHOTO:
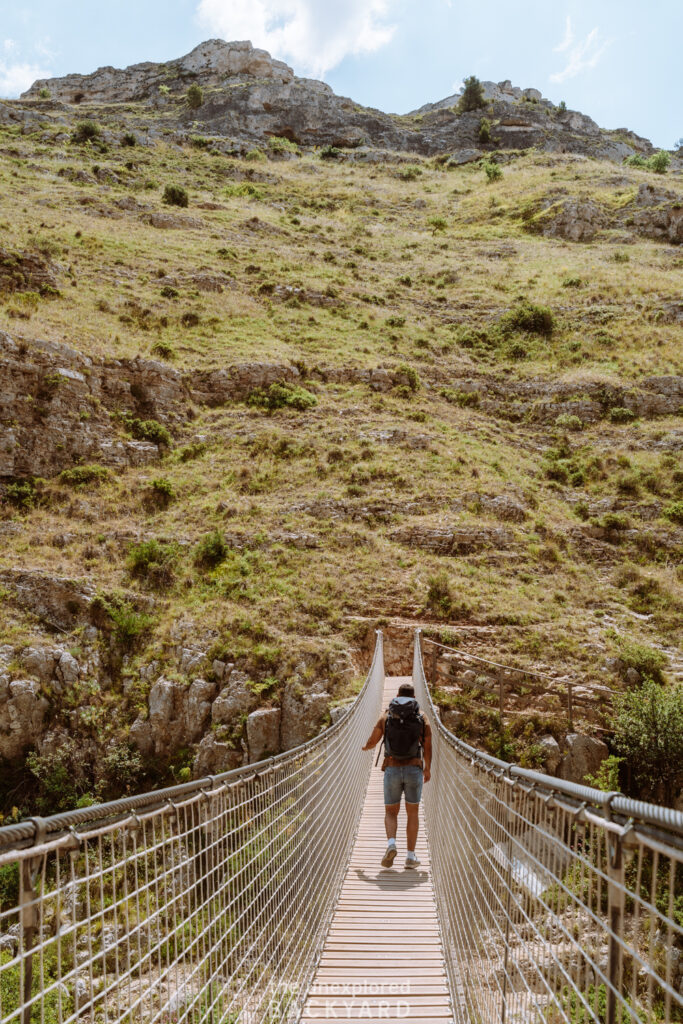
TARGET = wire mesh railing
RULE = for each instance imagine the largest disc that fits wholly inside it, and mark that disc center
(205, 902)
(557, 902)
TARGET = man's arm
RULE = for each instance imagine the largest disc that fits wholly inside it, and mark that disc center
(375, 735)
(428, 753)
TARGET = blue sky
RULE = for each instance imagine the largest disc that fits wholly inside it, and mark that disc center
(617, 60)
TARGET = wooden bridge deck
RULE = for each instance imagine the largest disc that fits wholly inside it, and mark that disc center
(383, 959)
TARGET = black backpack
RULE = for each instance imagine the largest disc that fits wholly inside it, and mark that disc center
(404, 729)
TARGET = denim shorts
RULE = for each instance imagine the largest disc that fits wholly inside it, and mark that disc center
(407, 779)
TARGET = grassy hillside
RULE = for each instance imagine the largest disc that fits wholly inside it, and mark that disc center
(265, 532)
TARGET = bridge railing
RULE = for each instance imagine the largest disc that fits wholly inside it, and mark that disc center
(557, 902)
(208, 901)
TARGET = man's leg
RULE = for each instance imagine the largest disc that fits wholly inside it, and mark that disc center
(412, 810)
(391, 820)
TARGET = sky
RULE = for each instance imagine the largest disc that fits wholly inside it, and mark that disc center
(617, 60)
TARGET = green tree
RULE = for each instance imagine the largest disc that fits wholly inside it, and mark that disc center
(472, 96)
(195, 96)
(648, 734)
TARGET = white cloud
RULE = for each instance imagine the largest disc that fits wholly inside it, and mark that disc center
(16, 78)
(457, 87)
(315, 35)
(568, 37)
(9, 45)
(582, 55)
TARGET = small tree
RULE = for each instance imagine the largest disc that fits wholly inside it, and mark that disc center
(472, 95)
(648, 733)
(175, 195)
(659, 162)
(195, 96)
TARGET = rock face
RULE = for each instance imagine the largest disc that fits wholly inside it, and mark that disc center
(584, 756)
(263, 733)
(248, 97)
(27, 271)
(212, 61)
(22, 713)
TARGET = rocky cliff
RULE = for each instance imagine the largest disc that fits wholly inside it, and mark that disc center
(249, 97)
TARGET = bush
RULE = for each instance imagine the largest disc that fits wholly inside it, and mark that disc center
(461, 398)
(175, 195)
(255, 155)
(211, 550)
(493, 171)
(129, 625)
(635, 160)
(528, 317)
(152, 561)
(648, 733)
(437, 224)
(484, 130)
(129, 140)
(439, 594)
(411, 375)
(410, 173)
(674, 511)
(648, 661)
(618, 414)
(161, 492)
(278, 144)
(86, 131)
(22, 494)
(79, 476)
(194, 96)
(280, 395)
(568, 421)
(472, 96)
(330, 153)
(164, 349)
(149, 430)
(44, 93)
(659, 162)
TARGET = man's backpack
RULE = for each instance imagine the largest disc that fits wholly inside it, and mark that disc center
(404, 729)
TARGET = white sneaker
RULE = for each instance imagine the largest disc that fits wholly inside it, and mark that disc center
(389, 857)
(412, 862)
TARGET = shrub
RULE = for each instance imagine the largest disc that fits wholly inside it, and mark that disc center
(529, 317)
(86, 131)
(278, 144)
(152, 561)
(175, 195)
(618, 414)
(648, 733)
(190, 319)
(674, 511)
(161, 492)
(22, 494)
(149, 430)
(568, 421)
(659, 162)
(79, 476)
(129, 140)
(635, 160)
(472, 96)
(44, 93)
(461, 398)
(484, 130)
(572, 282)
(244, 188)
(194, 96)
(255, 155)
(411, 375)
(493, 171)
(648, 661)
(562, 106)
(280, 395)
(164, 349)
(129, 625)
(211, 550)
(439, 594)
(330, 153)
(437, 224)
(410, 173)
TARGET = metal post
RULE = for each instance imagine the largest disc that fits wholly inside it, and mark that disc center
(501, 700)
(615, 911)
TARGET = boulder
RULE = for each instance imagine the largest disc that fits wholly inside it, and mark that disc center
(140, 736)
(22, 716)
(575, 220)
(235, 699)
(303, 713)
(40, 662)
(552, 755)
(583, 757)
(263, 733)
(214, 756)
(166, 715)
(198, 708)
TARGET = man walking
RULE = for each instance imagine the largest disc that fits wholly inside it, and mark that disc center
(407, 764)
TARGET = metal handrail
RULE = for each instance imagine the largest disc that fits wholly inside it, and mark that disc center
(557, 901)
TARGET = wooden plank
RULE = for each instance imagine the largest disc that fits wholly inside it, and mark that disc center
(383, 959)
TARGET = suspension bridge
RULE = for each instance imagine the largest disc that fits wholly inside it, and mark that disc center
(257, 897)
